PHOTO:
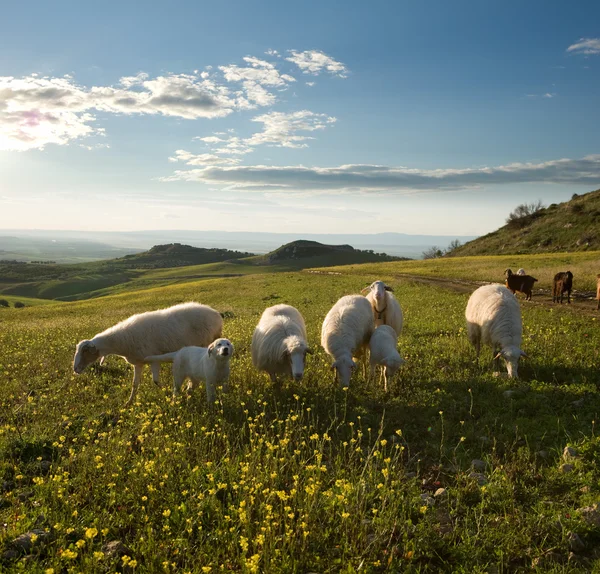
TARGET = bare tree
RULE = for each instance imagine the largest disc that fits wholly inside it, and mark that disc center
(525, 210)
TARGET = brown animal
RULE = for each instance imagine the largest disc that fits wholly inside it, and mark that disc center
(598, 292)
(563, 283)
(521, 283)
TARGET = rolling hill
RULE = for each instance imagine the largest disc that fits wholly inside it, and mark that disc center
(564, 227)
(168, 264)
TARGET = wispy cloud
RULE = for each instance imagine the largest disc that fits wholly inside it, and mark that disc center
(382, 179)
(587, 46)
(546, 95)
(314, 62)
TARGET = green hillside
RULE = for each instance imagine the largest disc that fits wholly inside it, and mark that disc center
(167, 264)
(564, 227)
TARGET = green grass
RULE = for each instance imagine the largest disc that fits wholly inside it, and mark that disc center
(306, 477)
(27, 301)
(584, 266)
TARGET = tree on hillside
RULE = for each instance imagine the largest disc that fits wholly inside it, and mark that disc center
(525, 210)
(433, 252)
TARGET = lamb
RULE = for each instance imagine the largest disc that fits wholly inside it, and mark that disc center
(521, 283)
(598, 291)
(383, 351)
(346, 332)
(521, 272)
(279, 344)
(199, 364)
(494, 318)
(151, 333)
(563, 282)
(386, 309)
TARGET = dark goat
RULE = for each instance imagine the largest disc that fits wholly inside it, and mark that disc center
(521, 283)
(563, 282)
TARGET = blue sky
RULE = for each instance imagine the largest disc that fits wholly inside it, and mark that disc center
(416, 117)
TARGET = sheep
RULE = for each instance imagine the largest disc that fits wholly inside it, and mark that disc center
(151, 333)
(494, 318)
(522, 283)
(346, 332)
(383, 351)
(386, 309)
(521, 271)
(199, 364)
(598, 291)
(563, 281)
(279, 344)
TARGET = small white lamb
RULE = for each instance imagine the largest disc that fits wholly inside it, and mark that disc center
(279, 344)
(151, 333)
(383, 348)
(199, 364)
(346, 332)
(521, 271)
(494, 318)
(386, 309)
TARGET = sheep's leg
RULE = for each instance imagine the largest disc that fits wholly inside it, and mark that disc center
(495, 358)
(273, 377)
(178, 379)
(372, 371)
(137, 378)
(155, 372)
(102, 360)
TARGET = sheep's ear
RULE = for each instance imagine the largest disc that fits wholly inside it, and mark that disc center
(366, 289)
(88, 346)
(211, 348)
(388, 288)
(524, 354)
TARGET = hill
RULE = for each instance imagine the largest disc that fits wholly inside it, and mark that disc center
(168, 264)
(564, 227)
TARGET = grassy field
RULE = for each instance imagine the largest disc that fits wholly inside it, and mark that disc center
(306, 477)
(584, 266)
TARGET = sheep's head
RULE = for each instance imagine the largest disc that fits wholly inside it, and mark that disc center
(378, 288)
(295, 351)
(570, 275)
(343, 370)
(221, 349)
(392, 364)
(511, 356)
(86, 353)
(508, 273)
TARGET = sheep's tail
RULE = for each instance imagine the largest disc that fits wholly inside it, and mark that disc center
(166, 358)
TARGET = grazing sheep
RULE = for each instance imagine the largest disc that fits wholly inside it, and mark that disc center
(383, 351)
(151, 333)
(346, 332)
(199, 364)
(494, 318)
(521, 272)
(521, 283)
(598, 291)
(563, 282)
(386, 309)
(279, 344)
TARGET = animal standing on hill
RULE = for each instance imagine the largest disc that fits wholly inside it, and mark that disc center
(199, 364)
(494, 318)
(386, 309)
(279, 344)
(151, 333)
(383, 348)
(346, 332)
(522, 283)
(563, 283)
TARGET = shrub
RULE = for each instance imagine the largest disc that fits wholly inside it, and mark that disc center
(4, 303)
(19, 305)
(433, 252)
(525, 212)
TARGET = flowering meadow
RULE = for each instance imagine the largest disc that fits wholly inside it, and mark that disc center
(454, 469)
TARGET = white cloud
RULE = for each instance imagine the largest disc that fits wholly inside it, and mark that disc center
(201, 159)
(280, 129)
(211, 139)
(384, 179)
(588, 46)
(314, 62)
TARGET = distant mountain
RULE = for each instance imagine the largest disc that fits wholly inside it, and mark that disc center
(570, 226)
(399, 244)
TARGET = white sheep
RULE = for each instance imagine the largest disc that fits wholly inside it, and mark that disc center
(279, 344)
(383, 348)
(494, 318)
(386, 309)
(151, 333)
(346, 332)
(521, 271)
